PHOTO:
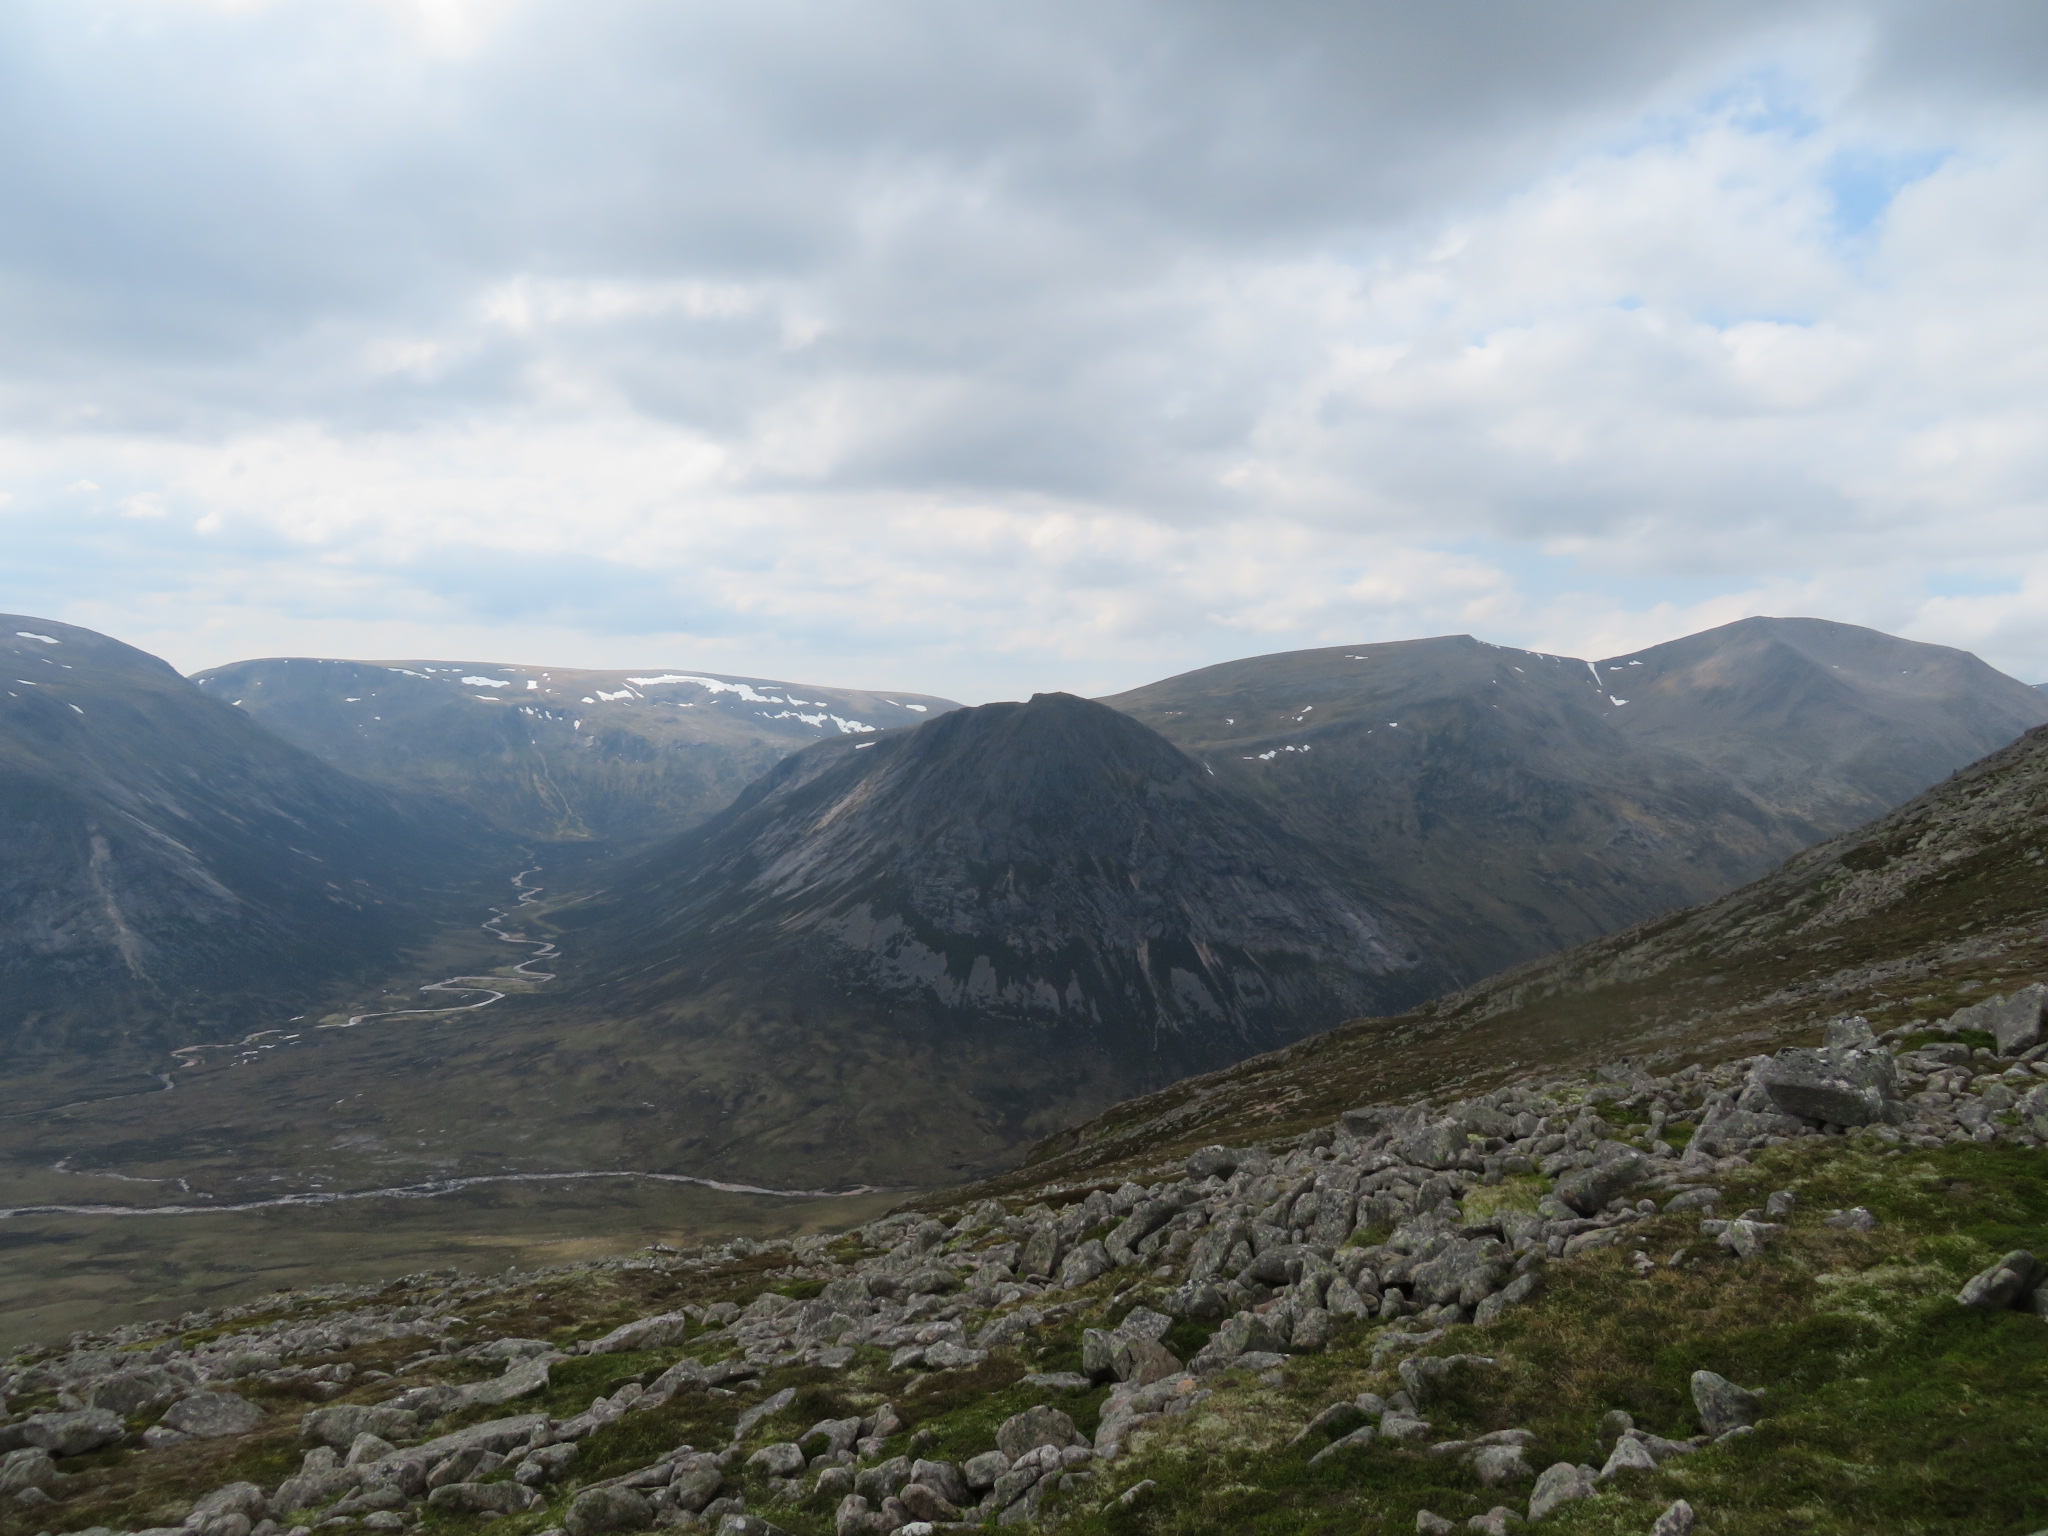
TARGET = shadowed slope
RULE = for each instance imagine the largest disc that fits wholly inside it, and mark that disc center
(1505, 804)
(1928, 907)
(169, 870)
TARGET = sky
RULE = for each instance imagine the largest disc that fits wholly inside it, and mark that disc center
(980, 349)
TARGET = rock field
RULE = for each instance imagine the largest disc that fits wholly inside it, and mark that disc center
(1013, 1363)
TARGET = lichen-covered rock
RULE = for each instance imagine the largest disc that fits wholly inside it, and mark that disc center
(1841, 1085)
(1559, 1483)
(213, 1415)
(2015, 1022)
(29, 1467)
(2003, 1284)
(339, 1425)
(1722, 1405)
(1034, 1427)
(75, 1433)
(597, 1510)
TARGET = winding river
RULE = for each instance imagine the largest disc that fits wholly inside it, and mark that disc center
(252, 1046)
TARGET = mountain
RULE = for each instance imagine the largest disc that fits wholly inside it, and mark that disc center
(554, 752)
(1937, 904)
(170, 869)
(979, 925)
(1505, 804)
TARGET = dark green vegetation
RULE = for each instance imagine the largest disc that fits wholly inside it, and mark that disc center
(1909, 917)
(554, 752)
(170, 872)
(1501, 805)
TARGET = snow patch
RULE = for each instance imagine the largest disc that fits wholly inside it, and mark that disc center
(613, 698)
(485, 682)
(713, 685)
(29, 634)
(1614, 701)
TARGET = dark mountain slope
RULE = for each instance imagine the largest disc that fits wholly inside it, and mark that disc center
(1049, 861)
(895, 959)
(168, 869)
(554, 752)
(1503, 805)
(1933, 905)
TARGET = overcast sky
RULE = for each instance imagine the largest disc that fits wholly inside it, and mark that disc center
(981, 348)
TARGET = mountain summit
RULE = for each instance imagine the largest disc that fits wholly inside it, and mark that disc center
(1505, 804)
(1052, 862)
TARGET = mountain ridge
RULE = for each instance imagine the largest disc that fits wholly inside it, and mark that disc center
(625, 756)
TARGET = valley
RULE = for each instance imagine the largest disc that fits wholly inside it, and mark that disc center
(901, 957)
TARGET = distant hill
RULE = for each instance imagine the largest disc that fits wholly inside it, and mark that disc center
(1938, 903)
(169, 869)
(1504, 804)
(554, 752)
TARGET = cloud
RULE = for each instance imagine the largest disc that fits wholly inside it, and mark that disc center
(988, 349)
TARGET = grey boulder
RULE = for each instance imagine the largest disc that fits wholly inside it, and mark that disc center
(73, 1434)
(1841, 1085)
(211, 1415)
(2003, 1284)
(1587, 1190)
(1032, 1428)
(2014, 1022)
(1722, 1405)
(596, 1510)
(1560, 1483)
(487, 1498)
(29, 1467)
(1675, 1521)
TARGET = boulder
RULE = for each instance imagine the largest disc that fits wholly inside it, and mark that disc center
(597, 1510)
(1212, 1162)
(1088, 1262)
(1497, 1464)
(2015, 1022)
(29, 1467)
(339, 1425)
(75, 1433)
(211, 1415)
(1722, 1405)
(1041, 1256)
(1432, 1144)
(1629, 1455)
(642, 1333)
(785, 1458)
(2003, 1284)
(131, 1392)
(1675, 1521)
(490, 1499)
(1378, 1119)
(1840, 1085)
(1559, 1483)
(1026, 1431)
(244, 1499)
